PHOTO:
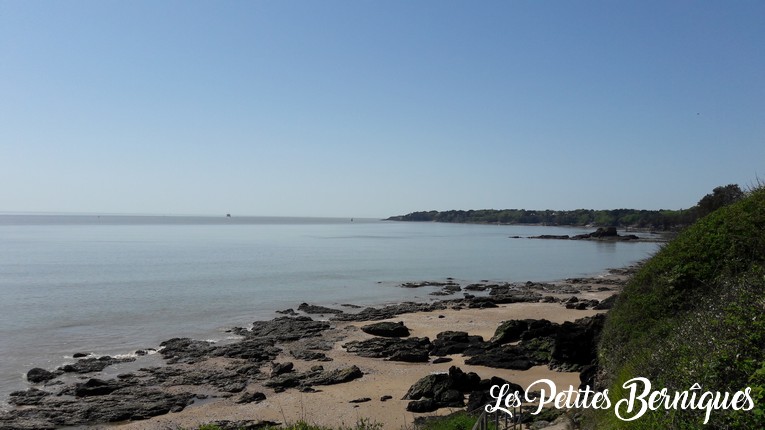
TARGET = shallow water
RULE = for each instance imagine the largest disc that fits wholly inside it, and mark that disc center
(111, 285)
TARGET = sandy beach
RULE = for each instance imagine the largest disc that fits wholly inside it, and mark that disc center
(331, 405)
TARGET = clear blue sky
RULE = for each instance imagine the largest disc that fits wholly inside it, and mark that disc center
(376, 108)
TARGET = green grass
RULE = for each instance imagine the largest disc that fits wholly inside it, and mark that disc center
(695, 312)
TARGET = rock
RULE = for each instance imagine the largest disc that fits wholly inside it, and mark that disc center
(256, 397)
(386, 329)
(440, 360)
(32, 396)
(576, 342)
(97, 387)
(130, 403)
(385, 398)
(464, 382)
(509, 331)
(413, 349)
(422, 406)
(587, 376)
(285, 329)
(428, 386)
(607, 303)
(303, 354)
(337, 376)
(388, 312)
(361, 400)
(504, 357)
(38, 375)
(455, 342)
(515, 330)
(244, 424)
(289, 311)
(281, 368)
(80, 355)
(441, 390)
(251, 349)
(92, 364)
(184, 350)
(314, 309)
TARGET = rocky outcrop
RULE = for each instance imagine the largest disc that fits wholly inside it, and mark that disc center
(441, 390)
(413, 349)
(386, 329)
(456, 342)
(316, 376)
(92, 364)
(576, 343)
(389, 312)
(38, 375)
(285, 329)
(124, 404)
(315, 309)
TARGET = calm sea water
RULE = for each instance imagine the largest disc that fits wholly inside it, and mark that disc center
(114, 284)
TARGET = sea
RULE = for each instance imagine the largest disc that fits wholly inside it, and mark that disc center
(111, 285)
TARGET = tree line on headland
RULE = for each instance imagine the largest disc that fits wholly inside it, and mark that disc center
(625, 218)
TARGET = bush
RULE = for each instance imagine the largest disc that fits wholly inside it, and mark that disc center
(694, 314)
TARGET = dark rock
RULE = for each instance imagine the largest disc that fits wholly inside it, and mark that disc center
(454, 342)
(281, 368)
(422, 406)
(302, 354)
(424, 284)
(97, 387)
(388, 312)
(184, 350)
(385, 398)
(428, 386)
(477, 287)
(337, 376)
(587, 376)
(441, 390)
(245, 424)
(386, 329)
(509, 331)
(38, 375)
(413, 349)
(80, 355)
(284, 381)
(314, 309)
(130, 403)
(550, 236)
(515, 330)
(92, 364)
(253, 350)
(32, 396)
(251, 398)
(289, 311)
(576, 342)
(505, 357)
(361, 400)
(285, 329)
(440, 360)
(607, 303)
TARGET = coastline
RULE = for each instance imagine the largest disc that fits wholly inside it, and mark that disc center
(330, 404)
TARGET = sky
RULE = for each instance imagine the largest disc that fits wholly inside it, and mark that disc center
(376, 108)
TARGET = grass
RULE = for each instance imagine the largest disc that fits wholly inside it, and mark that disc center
(694, 313)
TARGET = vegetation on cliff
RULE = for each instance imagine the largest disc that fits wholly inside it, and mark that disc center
(653, 219)
(694, 314)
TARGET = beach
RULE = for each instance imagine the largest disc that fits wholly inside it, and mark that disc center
(210, 400)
